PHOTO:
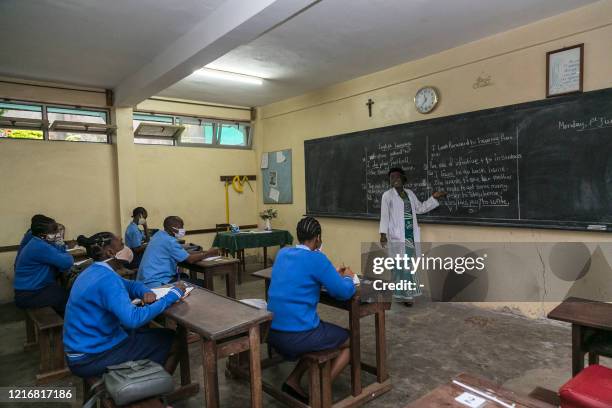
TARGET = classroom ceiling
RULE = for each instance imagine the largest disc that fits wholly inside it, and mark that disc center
(91, 42)
(100, 43)
(336, 40)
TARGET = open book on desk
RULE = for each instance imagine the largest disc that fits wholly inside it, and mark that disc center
(160, 293)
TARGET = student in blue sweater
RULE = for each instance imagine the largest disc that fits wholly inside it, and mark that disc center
(37, 267)
(135, 238)
(100, 310)
(298, 275)
(159, 262)
(28, 234)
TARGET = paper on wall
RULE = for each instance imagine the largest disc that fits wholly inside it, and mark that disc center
(274, 194)
(280, 157)
(264, 160)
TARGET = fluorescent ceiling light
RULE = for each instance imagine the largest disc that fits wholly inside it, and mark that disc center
(229, 76)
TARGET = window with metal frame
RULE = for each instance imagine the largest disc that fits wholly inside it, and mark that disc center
(195, 131)
(40, 121)
(21, 121)
(77, 125)
(233, 134)
(154, 134)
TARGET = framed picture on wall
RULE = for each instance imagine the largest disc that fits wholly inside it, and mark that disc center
(564, 70)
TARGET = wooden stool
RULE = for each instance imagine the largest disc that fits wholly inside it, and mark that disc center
(44, 325)
(107, 402)
(319, 369)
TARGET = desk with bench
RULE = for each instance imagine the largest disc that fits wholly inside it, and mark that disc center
(365, 302)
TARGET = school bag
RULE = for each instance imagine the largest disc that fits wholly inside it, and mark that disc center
(133, 381)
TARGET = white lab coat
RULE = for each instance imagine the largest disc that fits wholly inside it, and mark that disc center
(392, 215)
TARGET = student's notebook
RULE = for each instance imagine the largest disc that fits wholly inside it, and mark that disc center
(159, 293)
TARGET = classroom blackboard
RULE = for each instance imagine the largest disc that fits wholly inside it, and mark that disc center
(539, 164)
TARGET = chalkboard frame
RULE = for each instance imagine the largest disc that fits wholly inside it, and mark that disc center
(492, 222)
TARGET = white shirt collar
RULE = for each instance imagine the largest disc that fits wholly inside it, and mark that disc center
(300, 246)
(105, 264)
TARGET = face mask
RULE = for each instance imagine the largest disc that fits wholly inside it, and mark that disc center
(53, 238)
(180, 233)
(142, 221)
(125, 254)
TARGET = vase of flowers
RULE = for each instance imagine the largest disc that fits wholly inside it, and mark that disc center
(267, 215)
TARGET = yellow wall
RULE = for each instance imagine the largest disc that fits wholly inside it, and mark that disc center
(93, 187)
(71, 182)
(516, 62)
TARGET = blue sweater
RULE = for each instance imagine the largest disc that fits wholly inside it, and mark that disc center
(133, 236)
(24, 241)
(37, 263)
(158, 265)
(297, 277)
(100, 304)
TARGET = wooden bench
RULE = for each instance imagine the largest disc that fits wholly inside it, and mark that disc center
(320, 384)
(44, 326)
(107, 402)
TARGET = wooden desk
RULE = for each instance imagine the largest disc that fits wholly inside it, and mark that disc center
(582, 314)
(444, 395)
(78, 254)
(229, 267)
(226, 327)
(365, 302)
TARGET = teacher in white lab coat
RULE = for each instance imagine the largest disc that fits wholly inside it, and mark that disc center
(399, 229)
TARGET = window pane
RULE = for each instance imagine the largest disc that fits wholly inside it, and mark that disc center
(152, 141)
(78, 137)
(21, 134)
(145, 117)
(15, 110)
(196, 131)
(233, 134)
(76, 115)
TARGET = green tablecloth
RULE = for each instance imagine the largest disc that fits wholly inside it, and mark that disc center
(234, 242)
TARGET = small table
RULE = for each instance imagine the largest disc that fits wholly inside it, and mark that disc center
(444, 395)
(362, 304)
(582, 314)
(236, 243)
(226, 327)
(221, 266)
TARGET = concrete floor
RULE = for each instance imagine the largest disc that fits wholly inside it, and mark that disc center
(427, 345)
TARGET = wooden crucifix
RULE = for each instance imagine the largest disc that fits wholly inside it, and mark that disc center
(369, 104)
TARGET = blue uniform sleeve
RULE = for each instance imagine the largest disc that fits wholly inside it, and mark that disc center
(135, 289)
(51, 255)
(339, 287)
(133, 237)
(177, 252)
(116, 299)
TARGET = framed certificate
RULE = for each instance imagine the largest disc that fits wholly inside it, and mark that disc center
(564, 70)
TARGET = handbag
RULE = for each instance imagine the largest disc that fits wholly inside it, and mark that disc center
(133, 381)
